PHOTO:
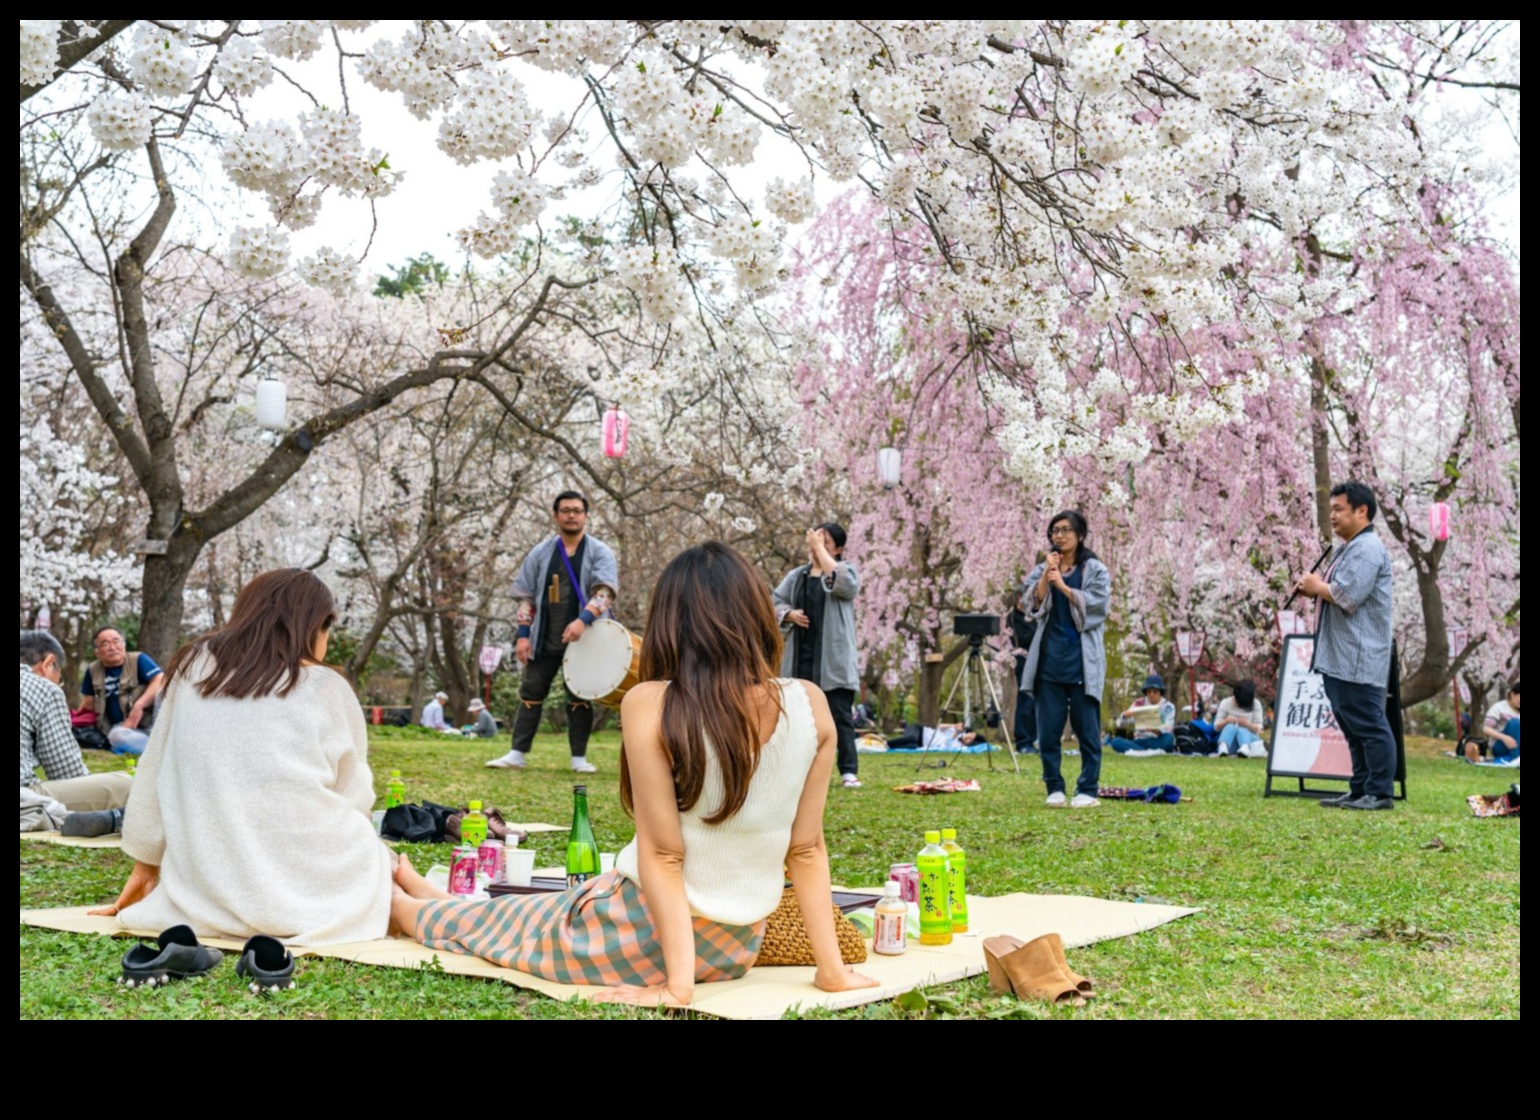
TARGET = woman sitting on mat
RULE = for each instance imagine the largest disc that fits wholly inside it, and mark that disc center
(725, 770)
(250, 812)
(1240, 722)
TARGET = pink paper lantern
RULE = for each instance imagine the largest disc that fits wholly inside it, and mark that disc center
(1438, 521)
(617, 425)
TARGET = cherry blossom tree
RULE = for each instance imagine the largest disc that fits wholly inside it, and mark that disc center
(1114, 165)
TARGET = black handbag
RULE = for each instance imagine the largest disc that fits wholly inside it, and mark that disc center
(413, 824)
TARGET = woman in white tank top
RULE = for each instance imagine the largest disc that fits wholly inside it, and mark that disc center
(726, 770)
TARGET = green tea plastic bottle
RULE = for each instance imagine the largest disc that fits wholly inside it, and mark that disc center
(957, 879)
(582, 849)
(395, 790)
(132, 765)
(473, 826)
(935, 914)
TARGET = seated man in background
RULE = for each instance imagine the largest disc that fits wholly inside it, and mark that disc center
(1240, 722)
(120, 686)
(1154, 730)
(1502, 727)
(946, 737)
(433, 714)
(97, 800)
(486, 722)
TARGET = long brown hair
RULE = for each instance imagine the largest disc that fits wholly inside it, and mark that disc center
(271, 633)
(711, 632)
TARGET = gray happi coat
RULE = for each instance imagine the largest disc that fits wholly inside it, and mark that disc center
(1088, 607)
(838, 665)
(599, 570)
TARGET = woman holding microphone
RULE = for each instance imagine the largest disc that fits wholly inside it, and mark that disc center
(1066, 665)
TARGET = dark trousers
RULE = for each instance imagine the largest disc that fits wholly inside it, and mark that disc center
(1360, 712)
(1024, 726)
(1085, 716)
(539, 675)
(842, 702)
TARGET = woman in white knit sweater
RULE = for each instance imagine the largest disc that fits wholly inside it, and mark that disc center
(726, 770)
(250, 811)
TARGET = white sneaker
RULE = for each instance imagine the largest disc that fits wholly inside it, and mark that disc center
(850, 781)
(1253, 750)
(1057, 800)
(513, 760)
(1084, 801)
(583, 766)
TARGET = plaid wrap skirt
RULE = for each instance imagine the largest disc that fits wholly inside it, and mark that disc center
(599, 934)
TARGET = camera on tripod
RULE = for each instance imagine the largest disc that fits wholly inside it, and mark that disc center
(975, 627)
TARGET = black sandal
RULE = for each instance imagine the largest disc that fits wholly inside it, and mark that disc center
(178, 956)
(267, 964)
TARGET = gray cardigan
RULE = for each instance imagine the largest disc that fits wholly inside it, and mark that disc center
(599, 570)
(839, 665)
(1088, 607)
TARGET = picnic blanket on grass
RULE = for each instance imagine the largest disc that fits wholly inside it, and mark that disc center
(1500, 763)
(765, 993)
(111, 840)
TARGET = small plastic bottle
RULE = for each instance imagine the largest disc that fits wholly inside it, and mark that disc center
(473, 826)
(935, 914)
(957, 879)
(890, 935)
(395, 790)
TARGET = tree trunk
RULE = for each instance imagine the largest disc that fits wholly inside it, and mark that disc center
(1320, 449)
(163, 591)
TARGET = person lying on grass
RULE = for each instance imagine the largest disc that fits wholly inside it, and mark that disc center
(725, 770)
(251, 809)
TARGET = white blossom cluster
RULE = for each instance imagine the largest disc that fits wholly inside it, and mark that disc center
(59, 567)
(258, 251)
(121, 122)
(519, 199)
(330, 271)
(39, 50)
(160, 64)
(656, 276)
(293, 38)
(243, 67)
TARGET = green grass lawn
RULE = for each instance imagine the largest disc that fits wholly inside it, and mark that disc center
(1306, 913)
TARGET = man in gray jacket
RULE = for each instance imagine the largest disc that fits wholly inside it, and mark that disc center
(815, 604)
(565, 584)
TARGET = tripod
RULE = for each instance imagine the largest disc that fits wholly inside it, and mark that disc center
(976, 681)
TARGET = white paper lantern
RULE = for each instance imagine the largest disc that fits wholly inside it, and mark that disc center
(272, 404)
(889, 463)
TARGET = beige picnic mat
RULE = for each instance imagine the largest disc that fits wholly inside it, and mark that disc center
(115, 840)
(112, 840)
(765, 993)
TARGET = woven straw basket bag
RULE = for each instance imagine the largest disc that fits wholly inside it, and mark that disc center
(786, 940)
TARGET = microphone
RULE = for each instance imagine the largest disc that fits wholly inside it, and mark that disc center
(1289, 602)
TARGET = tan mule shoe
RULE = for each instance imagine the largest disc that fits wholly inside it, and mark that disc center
(1030, 971)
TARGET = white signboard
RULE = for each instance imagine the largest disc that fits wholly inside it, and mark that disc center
(1206, 690)
(1306, 738)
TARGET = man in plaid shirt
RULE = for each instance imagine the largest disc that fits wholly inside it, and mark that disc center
(46, 738)
(1353, 645)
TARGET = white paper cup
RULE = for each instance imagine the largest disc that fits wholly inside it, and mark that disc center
(606, 862)
(521, 867)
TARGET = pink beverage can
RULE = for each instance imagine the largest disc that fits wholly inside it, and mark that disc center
(462, 871)
(907, 876)
(490, 858)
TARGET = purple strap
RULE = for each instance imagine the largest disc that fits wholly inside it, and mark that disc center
(561, 550)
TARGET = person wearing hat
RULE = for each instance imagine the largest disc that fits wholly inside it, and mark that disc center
(1148, 735)
(433, 714)
(485, 723)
